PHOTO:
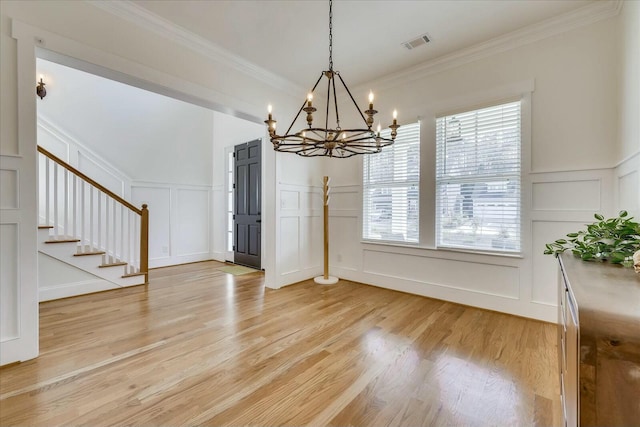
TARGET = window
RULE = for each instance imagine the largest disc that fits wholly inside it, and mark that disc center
(230, 200)
(478, 179)
(390, 187)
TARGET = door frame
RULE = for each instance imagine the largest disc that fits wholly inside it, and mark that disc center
(229, 179)
(260, 189)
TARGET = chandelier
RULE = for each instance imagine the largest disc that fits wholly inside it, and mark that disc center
(331, 141)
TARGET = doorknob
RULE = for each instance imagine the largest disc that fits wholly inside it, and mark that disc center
(258, 220)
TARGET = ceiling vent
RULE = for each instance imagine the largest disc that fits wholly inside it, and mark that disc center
(419, 41)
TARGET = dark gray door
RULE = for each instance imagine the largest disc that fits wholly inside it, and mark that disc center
(248, 199)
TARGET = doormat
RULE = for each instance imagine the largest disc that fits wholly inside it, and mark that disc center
(237, 270)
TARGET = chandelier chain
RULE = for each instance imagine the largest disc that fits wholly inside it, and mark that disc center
(330, 35)
(313, 140)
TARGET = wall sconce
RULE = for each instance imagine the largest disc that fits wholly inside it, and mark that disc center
(40, 90)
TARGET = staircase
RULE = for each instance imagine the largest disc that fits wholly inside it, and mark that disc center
(88, 226)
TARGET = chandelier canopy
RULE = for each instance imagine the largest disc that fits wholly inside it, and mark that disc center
(331, 141)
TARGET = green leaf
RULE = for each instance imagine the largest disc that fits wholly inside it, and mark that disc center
(561, 241)
(599, 217)
(572, 235)
(617, 257)
(622, 214)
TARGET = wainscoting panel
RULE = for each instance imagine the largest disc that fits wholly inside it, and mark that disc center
(100, 174)
(345, 198)
(192, 222)
(544, 285)
(300, 236)
(629, 191)
(62, 145)
(219, 222)
(9, 281)
(159, 201)
(344, 238)
(289, 255)
(581, 195)
(54, 141)
(311, 242)
(289, 200)
(9, 186)
(498, 280)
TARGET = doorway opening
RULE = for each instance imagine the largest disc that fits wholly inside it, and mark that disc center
(247, 214)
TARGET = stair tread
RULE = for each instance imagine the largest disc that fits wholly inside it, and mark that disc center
(133, 275)
(62, 240)
(90, 253)
(113, 264)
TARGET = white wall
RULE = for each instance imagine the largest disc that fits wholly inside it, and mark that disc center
(570, 151)
(148, 136)
(627, 172)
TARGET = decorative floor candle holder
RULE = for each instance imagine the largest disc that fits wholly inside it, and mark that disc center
(326, 279)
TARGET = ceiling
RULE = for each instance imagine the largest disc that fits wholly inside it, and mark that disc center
(290, 38)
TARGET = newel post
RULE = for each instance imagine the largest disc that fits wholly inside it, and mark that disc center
(144, 243)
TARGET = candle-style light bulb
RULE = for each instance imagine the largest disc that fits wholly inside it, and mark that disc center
(395, 114)
(309, 99)
(379, 128)
(269, 110)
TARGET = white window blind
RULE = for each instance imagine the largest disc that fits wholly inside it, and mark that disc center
(390, 186)
(478, 179)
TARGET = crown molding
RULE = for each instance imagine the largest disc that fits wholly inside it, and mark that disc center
(143, 18)
(586, 15)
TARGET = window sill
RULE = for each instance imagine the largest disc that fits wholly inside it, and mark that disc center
(415, 247)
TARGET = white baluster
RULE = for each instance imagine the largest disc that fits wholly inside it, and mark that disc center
(122, 244)
(56, 223)
(66, 202)
(129, 246)
(99, 220)
(107, 248)
(74, 218)
(136, 241)
(91, 223)
(47, 191)
(82, 216)
(115, 230)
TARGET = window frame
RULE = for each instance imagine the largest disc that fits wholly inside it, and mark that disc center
(409, 183)
(524, 156)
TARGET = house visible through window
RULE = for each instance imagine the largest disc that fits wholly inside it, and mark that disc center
(390, 189)
(478, 179)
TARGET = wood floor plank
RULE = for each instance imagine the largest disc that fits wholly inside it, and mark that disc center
(198, 346)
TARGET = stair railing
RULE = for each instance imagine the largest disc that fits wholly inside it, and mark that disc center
(80, 209)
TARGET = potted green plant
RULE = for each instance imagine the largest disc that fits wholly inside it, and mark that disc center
(614, 240)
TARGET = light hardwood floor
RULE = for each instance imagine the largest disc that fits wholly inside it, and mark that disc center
(202, 347)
